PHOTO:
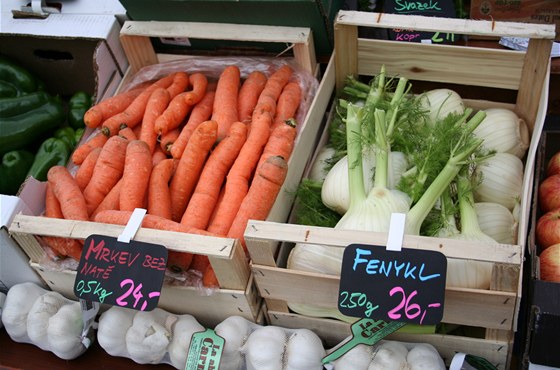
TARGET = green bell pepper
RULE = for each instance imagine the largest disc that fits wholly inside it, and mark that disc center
(52, 152)
(13, 170)
(66, 134)
(79, 103)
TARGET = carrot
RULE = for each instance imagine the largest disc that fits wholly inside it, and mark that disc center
(61, 246)
(159, 197)
(166, 141)
(179, 85)
(173, 115)
(273, 88)
(288, 103)
(249, 94)
(111, 200)
(135, 176)
(96, 140)
(199, 263)
(158, 101)
(68, 193)
(189, 167)
(158, 155)
(127, 133)
(209, 279)
(205, 196)
(84, 172)
(239, 176)
(261, 196)
(201, 112)
(281, 141)
(199, 83)
(225, 102)
(107, 171)
(134, 113)
(101, 111)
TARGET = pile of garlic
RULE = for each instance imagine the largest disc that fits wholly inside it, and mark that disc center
(45, 319)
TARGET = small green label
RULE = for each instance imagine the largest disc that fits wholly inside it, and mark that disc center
(205, 351)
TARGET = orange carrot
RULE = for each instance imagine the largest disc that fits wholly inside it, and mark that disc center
(159, 197)
(239, 176)
(158, 155)
(281, 141)
(173, 115)
(189, 167)
(134, 113)
(156, 105)
(249, 94)
(225, 102)
(135, 176)
(68, 193)
(166, 141)
(205, 195)
(101, 111)
(209, 279)
(107, 171)
(199, 263)
(52, 205)
(111, 200)
(201, 112)
(96, 140)
(199, 83)
(273, 88)
(180, 84)
(261, 196)
(288, 103)
(127, 133)
(84, 172)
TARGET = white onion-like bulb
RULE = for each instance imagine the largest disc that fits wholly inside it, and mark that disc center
(496, 221)
(504, 132)
(442, 102)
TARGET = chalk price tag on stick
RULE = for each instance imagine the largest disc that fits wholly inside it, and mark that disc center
(406, 285)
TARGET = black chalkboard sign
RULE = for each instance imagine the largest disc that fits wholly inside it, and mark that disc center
(121, 274)
(405, 286)
(431, 8)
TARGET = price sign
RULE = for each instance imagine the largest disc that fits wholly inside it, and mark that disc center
(406, 286)
(126, 274)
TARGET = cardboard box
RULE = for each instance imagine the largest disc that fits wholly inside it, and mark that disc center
(237, 294)
(315, 14)
(544, 296)
(526, 11)
(492, 312)
(69, 51)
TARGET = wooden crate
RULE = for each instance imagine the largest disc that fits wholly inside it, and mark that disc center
(237, 294)
(492, 312)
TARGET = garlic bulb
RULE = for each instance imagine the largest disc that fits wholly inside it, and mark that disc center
(183, 330)
(2, 301)
(235, 330)
(357, 358)
(264, 349)
(501, 180)
(304, 351)
(111, 332)
(504, 132)
(424, 357)
(19, 300)
(148, 337)
(442, 102)
(387, 359)
(38, 317)
(64, 332)
(496, 221)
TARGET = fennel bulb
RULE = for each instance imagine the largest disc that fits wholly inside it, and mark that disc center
(504, 132)
(442, 102)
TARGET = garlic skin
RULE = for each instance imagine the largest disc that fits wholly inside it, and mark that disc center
(19, 300)
(442, 102)
(148, 337)
(2, 302)
(501, 180)
(497, 221)
(304, 351)
(358, 358)
(424, 357)
(504, 132)
(65, 332)
(264, 349)
(183, 330)
(235, 330)
(38, 317)
(111, 332)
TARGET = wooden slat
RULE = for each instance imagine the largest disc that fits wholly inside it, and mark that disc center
(462, 306)
(345, 52)
(139, 52)
(471, 66)
(446, 25)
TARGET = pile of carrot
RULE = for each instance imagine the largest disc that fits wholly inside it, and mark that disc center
(202, 155)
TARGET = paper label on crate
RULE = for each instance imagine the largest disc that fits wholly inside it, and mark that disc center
(406, 286)
(364, 331)
(125, 274)
(205, 351)
(432, 8)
